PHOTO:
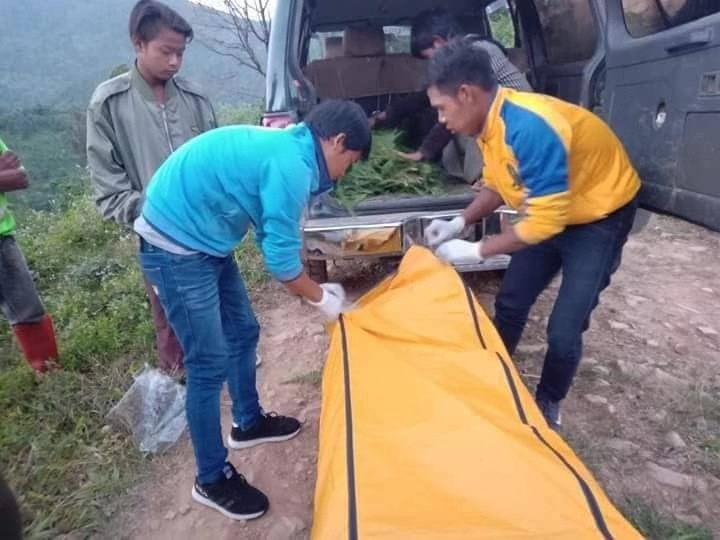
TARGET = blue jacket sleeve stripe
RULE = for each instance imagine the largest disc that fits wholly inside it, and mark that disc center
(540, 152)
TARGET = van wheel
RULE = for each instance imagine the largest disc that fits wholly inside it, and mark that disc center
(317, 270)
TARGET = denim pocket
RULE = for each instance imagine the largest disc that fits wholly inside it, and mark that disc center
(185, 260)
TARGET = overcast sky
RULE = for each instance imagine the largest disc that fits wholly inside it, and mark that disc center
(218, 4)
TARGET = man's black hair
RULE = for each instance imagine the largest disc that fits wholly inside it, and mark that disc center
(148, 17)
(335, 116)
(459, 63)
(430, 24)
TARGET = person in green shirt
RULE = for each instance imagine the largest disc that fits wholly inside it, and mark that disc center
(19, 299)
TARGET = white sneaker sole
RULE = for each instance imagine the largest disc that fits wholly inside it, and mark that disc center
(240, 445)
(197, 497)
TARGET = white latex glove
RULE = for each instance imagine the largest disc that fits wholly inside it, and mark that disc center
(336, 289)
(460, 252)
(333, 301)
(440, 231)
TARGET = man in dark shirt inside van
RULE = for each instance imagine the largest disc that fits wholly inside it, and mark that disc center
(459, 154)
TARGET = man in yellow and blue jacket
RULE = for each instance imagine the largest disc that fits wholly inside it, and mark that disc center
(571, 180)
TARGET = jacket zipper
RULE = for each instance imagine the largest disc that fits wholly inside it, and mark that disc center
(167, 128)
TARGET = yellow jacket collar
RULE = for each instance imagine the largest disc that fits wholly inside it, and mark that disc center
(492, 120)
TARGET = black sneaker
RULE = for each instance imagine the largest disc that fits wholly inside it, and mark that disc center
(270, 428)
(550, 410)
(232, 496)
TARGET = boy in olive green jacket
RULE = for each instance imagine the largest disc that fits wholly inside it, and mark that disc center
(134, 122)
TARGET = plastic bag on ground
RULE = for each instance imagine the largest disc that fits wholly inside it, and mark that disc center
(152, 410)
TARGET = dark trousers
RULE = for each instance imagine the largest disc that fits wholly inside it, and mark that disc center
(170, 355)
(19, 299)
(587, 255)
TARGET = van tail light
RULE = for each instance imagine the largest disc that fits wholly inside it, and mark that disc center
(277, 120)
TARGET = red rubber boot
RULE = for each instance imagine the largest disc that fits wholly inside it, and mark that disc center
(37, 341)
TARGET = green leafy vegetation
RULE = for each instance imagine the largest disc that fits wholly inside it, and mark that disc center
(51, 146)
(312, 378)
(240, 114)
(386, 173)
(53, 450)
(501, 25)
(659, 526)
(62, 462)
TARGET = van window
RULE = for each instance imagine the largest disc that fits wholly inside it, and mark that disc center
(684, 11)
(645, 17)
(325, 45)
(397, 39)
(501, 23)
(330, 44)
(568, 29)
(642, 17)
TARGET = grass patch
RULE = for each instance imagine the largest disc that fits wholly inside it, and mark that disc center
(54, 453)
(63, 465)
(656, 526)
(313, 378)
(698, 411)
(251, 263)
(710, 460)
(712, 446)
(240, 114)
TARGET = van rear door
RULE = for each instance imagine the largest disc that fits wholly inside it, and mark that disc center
(663, 100)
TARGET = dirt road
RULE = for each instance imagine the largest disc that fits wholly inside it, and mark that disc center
(644, 413)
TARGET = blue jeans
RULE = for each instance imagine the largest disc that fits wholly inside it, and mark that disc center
(208, 308)
(587, 255)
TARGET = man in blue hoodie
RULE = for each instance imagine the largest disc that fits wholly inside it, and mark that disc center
(198, 207)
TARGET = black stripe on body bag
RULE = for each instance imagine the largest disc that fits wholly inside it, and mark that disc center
(587, 492)
(349, 444)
